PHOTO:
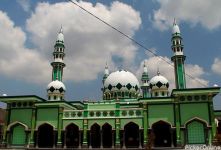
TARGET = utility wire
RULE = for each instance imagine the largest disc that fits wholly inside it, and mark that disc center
(133, 40)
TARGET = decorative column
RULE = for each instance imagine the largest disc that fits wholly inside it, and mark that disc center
(112, 139)
(140, 145)
(5, 141)
(145, 122)
(85, 127)
(33, 121)
(60, 115)
(65, 134)
(124, 140)
(177, 116)
(79, 141)
(212, 118)
(117, 125)
(101, 134)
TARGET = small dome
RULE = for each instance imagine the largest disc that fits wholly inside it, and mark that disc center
(60, 37)
(176, 29)
(159, 82)
(56, 86)
(122, 81)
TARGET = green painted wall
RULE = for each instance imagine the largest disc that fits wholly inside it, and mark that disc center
(79, 123)
(18, 135)
(22, 115)
(101, 106)
(160, 112)
(190, 111)
(47, 115)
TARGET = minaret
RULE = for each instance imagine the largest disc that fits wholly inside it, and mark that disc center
(56, 88)
(58, 54)
(106, 74)
(145, 82)
(178, 58)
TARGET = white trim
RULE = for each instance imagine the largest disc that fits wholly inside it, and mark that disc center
(171, 126)
(43, 124)
(196, 119)
(17, 122)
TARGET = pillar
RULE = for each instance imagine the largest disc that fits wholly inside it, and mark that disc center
(177, 116)
(101, 134)
(33, 121)
(145, 122)
(85, 140)
(140, 138)
(117, 125)
(7, 115)
(112, 139)
(212, 118)
(65, 138)
(60, 115)
(79, 144)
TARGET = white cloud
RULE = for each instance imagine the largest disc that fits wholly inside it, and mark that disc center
(25, 4)
(204, 12)
(167, 70)
(16, 60)
(216, 66)
(89, 43)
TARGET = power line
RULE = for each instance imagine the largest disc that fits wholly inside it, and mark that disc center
(133, 40)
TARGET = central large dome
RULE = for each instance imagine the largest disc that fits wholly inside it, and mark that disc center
(121, 84)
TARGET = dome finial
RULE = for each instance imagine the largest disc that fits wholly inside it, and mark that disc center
(174, 21)
(158, 71)
(61, 29)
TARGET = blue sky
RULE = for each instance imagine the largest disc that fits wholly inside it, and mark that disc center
(29, 28)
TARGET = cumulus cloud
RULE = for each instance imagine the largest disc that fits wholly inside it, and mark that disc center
(89, 43)
(167, 70)
(216, 66)
(204, 12)
(16, 60)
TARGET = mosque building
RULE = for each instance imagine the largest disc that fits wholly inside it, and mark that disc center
(130, 115)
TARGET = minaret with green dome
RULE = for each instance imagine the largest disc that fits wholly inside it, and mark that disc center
(178, 58)
(56, 88)
(145, 82)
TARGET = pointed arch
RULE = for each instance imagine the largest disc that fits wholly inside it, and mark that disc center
(107, 135)
(44, 123)
(131, 135)
(72, 135)
(95, 136)
(46, 135)
(17, 133)
(162, 121)
(195, 131)
(17, 123)
(196, 119)
(162, 134)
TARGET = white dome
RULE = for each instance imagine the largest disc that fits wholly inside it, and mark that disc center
(175, 29)
(56, 86)
(159, 82)
(60, 37)
(122, 81)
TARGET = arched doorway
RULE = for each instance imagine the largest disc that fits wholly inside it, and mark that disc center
(18, 135)
(196, 132)
(131, 135)
(162, 134)
(219, 127)
(95, 136)
(107, 135)
(72, 136)
(45, 136)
